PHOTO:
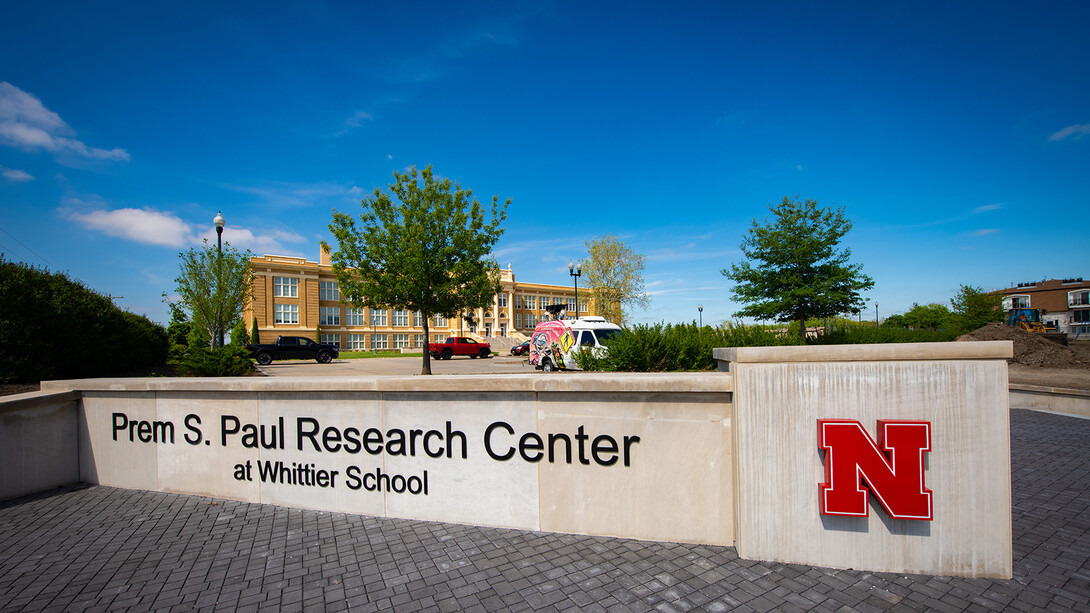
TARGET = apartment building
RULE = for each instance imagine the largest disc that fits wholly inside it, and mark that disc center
(1066, 302)
(297, 297)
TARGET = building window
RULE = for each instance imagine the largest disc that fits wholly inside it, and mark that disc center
(518, 301)
(286, 313)
(355, 317)
(542, 318)
(531, 302)
(328, 290)
(330, 339)
(378, 341)
(438, 338)
(1019, 302)
(1078, 299)
(518, 320)
(418, 320)
(401, 318)
(1080, 316)
(401, 341)
(285, 287)
(329, 316)
(440, 321)
(583, 306)
(378, 317)
(501, 300)
(356, 342)
(571, 304)
(418, 340)
(557, 301)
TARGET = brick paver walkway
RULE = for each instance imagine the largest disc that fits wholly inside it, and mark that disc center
(99, 548)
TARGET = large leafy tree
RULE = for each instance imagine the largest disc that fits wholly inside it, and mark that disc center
(614, 274)
(425, 245)
(972, 307)
(794, 270)
(214, 287)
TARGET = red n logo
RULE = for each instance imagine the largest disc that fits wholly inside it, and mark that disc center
(852, 457)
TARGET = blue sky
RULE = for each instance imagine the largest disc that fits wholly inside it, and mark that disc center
(955, 135)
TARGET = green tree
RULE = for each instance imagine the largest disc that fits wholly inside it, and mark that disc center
(793, 270)
(932, 316)
(239, 337)
(972, 307)
(425, 245)
(614, 275)
(214, 288)
(178, 330)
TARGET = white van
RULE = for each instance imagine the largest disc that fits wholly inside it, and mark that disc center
(555, 343)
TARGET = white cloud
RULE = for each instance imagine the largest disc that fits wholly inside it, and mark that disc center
(1076, 131)
(261, 242)
(27, 124)
(302, 194)
(987, 207)
(165, 229)
(355, 121)
(146, 225)
(19, 176)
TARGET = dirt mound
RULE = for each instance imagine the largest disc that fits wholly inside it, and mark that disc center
(1029, 348)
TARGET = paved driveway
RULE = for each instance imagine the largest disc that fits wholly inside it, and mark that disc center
(105, 549)
(397, 366)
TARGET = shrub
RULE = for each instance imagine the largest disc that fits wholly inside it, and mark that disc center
(226, 361)
(53, 327)
(677, 347)
(686, 347)
(844, 332)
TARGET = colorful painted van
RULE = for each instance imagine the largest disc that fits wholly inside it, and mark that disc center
(554, 343)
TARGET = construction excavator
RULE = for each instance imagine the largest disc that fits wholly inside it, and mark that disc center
(1030, 321)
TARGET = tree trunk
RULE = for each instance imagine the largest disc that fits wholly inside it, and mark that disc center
(425, 369)
(802, 331)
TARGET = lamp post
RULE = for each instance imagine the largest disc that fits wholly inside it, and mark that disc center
(220, 222)
(576, 271)
(700, 308)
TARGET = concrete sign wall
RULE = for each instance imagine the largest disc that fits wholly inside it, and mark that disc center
(886, 458)
(642, 456)
(782, 471)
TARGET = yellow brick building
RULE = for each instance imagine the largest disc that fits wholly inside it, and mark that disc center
(297, 297)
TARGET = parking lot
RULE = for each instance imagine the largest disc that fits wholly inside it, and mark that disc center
(497, 364)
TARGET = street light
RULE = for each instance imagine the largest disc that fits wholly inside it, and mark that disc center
(220, 222)
(700, 308)
(576, 271)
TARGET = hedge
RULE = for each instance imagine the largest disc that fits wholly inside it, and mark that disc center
(54, 327)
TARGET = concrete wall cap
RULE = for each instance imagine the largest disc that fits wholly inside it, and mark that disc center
(892, 352)
(707, 382)
(31, 400)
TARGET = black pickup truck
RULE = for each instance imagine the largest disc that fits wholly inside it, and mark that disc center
(293, 348)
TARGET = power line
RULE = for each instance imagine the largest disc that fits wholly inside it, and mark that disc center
(39, 256)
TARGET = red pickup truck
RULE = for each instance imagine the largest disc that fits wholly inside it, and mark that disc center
(459, 345)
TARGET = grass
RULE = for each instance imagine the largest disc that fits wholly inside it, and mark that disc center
(363, 355)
